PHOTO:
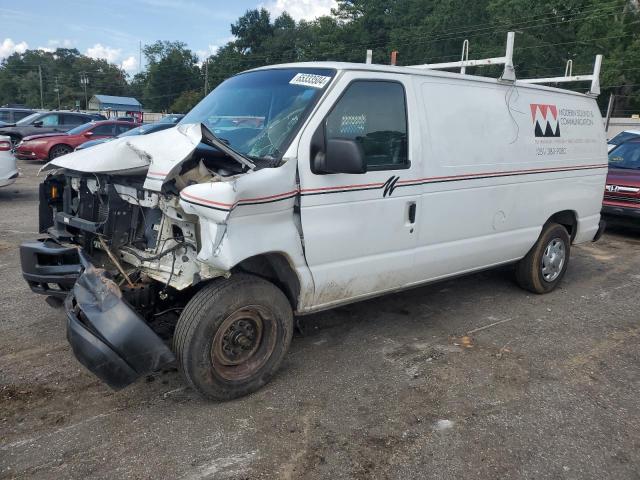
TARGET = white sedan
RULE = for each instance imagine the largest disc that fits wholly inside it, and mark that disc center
(8, 168)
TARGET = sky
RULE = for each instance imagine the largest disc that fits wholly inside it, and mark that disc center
(113, 29)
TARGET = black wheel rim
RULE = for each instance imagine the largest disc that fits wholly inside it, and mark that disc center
(243, 343)
(58, 152)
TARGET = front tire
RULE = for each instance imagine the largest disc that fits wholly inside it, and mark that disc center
(542, 269)
(232, 336)
(59, 150)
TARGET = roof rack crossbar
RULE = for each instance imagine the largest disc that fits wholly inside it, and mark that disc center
(594, 78)
(465, 55)
(508, 73)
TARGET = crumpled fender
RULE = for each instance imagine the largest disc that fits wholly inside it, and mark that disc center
(247, 216)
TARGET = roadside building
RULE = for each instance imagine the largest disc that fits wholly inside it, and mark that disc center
(113, 107)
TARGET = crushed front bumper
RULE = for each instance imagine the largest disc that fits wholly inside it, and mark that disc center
(49, 267)
(106, 335)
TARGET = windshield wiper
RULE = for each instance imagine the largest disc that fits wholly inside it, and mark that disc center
(209, 137)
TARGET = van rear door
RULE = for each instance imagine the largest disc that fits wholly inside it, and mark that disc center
(360, 229)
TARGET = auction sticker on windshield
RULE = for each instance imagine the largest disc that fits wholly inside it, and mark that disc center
(310, 80)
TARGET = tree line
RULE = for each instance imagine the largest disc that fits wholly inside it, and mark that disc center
(548, 33)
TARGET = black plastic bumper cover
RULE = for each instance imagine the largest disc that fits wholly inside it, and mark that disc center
(46, 263)
(107, 336)
(630, 212)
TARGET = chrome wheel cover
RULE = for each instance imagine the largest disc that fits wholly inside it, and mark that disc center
(553, 259)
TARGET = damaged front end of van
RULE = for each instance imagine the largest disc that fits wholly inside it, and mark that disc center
(133, 227)
(120, 248)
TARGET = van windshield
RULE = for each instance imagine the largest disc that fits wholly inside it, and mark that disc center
(258, 113)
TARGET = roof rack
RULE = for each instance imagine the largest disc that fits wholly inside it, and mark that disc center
(594, 78)
(509, 74)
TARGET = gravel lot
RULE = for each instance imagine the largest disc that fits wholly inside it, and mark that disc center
(471, 378)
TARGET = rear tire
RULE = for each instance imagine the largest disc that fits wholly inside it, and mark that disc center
(232, 336)
(542, 269)
(59, 150)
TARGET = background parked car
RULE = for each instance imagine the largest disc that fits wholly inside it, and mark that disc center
(622, 137)
(622, 191)
(51, 145)
(13, 115)
(8, 169)
(167, 122)
(47, 122)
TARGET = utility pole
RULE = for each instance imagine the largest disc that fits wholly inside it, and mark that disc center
(41, 95)
(84, 81)
(206, 77)
(140, 57)
(57, 90)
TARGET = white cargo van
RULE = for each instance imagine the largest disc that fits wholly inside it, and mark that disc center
(296, 188)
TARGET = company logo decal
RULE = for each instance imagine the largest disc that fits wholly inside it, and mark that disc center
(389, 186)
(545, 120)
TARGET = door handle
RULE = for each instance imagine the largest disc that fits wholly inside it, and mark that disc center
(412, 212)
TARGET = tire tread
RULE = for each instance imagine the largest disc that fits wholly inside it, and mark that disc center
(527, 271)
(193, 313)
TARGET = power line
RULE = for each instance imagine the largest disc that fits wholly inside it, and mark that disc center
(489, 26)
(479, 30)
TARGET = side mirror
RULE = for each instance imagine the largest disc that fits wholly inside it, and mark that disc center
(88, 134)
(37, 123)
(342, 155)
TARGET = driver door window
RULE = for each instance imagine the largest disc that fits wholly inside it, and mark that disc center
(373, 113)
(50, 120)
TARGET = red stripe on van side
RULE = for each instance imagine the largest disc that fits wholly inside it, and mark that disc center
(380, 185)
(244, 200)
(508, 172)
(270, 197)
(204, 200)
(323, 189)
(158, 174)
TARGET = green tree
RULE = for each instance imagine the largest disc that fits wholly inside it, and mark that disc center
(251, 30)
(61, 70)
(548, 33)
(186, 101)
(172, 69)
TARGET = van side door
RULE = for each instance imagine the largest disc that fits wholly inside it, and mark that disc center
(360, 230)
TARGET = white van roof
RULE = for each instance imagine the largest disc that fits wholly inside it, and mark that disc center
(372, 67)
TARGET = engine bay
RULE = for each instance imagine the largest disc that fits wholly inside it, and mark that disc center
(143, 238)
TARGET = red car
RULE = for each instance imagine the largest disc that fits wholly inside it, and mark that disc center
(622, 192)
(51, 145)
